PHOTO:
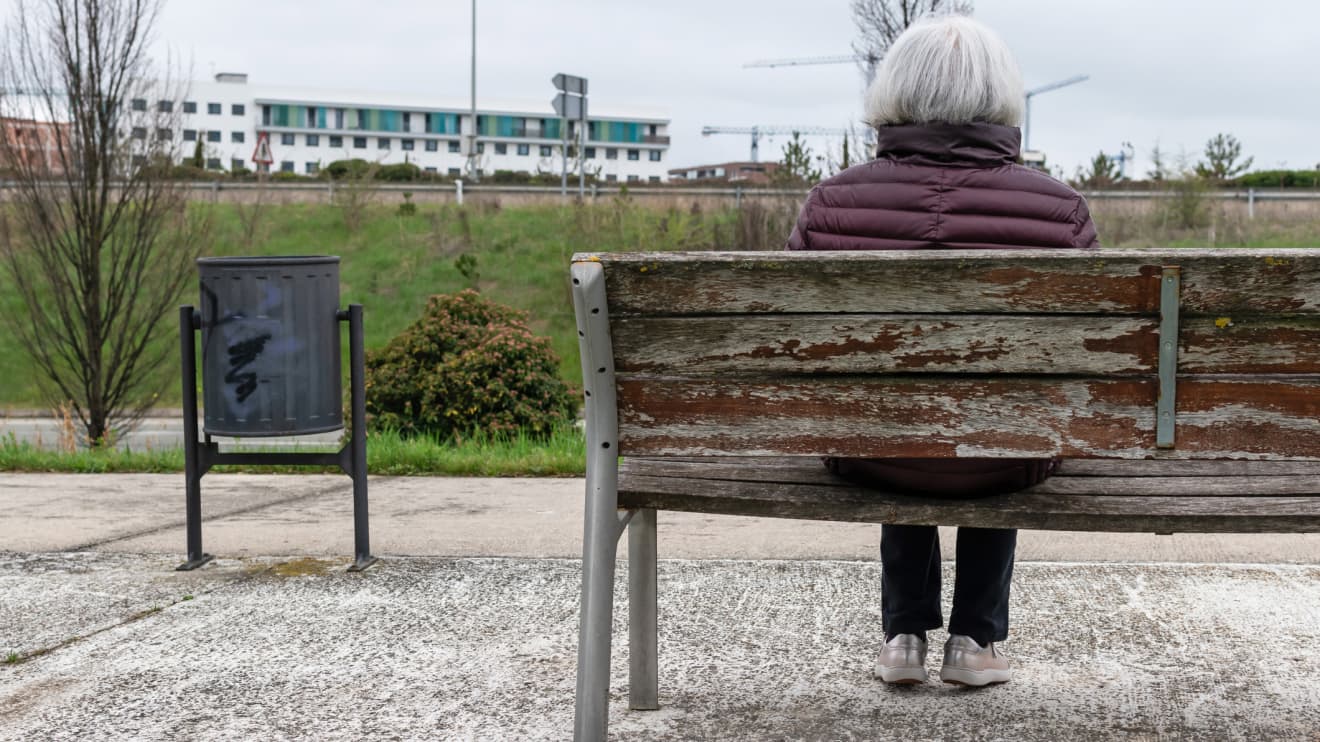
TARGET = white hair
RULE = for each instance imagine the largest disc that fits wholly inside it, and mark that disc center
(947, 69)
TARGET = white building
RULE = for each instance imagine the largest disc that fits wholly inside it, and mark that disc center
(309, 128)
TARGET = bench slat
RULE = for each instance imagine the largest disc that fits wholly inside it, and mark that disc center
(810, 470)
(1265, 418)
(975, 344)
(1214, 281)
(1162, 514)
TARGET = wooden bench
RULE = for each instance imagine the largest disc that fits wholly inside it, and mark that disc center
(1181, 386)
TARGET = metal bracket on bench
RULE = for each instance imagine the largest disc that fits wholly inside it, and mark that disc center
(1166, 408)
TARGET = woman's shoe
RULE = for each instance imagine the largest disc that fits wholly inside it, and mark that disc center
(903, 660)
(969, 663)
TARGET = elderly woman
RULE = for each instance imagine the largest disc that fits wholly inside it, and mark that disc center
(946, 103)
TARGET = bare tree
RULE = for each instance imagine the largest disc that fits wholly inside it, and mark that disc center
(97, 239)
(880, 22)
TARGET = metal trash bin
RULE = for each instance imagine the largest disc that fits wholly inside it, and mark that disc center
(270, 346)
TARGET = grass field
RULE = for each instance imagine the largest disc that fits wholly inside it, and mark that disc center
(519, 256)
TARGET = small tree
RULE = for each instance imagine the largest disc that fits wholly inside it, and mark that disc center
(1103, 172)
(97, 240)
(1221, 158)
(1159, 165)
(798, 165)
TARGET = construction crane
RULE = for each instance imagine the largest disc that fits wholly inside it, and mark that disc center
(801, 61)
(759, 131)
(1026, 126)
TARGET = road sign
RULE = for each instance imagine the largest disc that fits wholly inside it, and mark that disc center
(261, 155)
(569, 106)
(570, 84)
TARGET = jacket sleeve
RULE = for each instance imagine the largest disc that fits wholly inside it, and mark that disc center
(1084, 234)
(801, 232)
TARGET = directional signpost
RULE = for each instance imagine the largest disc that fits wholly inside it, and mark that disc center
(571, 105)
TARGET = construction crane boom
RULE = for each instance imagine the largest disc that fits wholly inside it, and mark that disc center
(1026, 124)
(800, 61)
(759, 131)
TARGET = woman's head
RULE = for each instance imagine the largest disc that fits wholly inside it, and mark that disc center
(950, 70)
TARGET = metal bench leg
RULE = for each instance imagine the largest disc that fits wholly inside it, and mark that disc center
(599, 543)
(643, 643)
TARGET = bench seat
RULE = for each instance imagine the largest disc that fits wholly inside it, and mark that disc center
(1084, 495)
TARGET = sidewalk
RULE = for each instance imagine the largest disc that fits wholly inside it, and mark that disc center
(467, 627)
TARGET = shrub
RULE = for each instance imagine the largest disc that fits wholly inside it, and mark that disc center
(400, 172)
(354, 168)
(468, 365)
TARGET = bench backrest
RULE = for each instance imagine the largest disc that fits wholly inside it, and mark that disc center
(1181, 353)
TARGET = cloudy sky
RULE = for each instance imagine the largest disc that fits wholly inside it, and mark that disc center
(1168, 71)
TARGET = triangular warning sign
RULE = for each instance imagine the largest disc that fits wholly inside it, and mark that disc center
(261, 155)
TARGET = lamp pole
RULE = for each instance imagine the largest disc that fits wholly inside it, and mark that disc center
(472, 138)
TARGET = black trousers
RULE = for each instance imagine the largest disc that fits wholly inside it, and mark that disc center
(910, 582)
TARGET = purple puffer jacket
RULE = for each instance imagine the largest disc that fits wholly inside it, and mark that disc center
(943, 186)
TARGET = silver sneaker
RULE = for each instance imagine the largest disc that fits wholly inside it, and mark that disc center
(903, 660)
(969, 663)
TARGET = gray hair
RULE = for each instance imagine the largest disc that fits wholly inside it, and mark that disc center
(947, 69)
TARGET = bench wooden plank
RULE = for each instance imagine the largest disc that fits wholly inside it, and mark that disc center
(810, 470)
(970, 344)
(1214, 281)
(1160, 514)
(1264, 417)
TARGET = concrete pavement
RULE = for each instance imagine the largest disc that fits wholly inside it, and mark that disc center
(467, 627)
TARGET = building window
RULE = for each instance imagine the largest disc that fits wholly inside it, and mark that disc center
(139, 160)
(481, 148)
(213, 136)
(311, 168)
(189, 135)
(383, 143)
(236, 164)
(164, 135)
(286, 167)
(139, 104)
(236, 137)
(653, 179)
(213, 109)
(190, 106)
(545, 150)
(454, 147)
(633, 178)
(313, 140)
(454, 172)
(634, 154)
(501, 148)
(655, 155)
(165, 106)
(213, 163)
(524, 149)
(286, 140)
(590, 153)
(238, 110)
(139, 132)
(407, 144)
(359, 142)
(432, 145)
(611, 178)
(336, 141)
(611, 153)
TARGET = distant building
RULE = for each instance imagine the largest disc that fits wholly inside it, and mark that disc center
(34, 142)
(752, 173)
(308, 128)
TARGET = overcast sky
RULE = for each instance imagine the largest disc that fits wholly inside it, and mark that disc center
(1168, 71)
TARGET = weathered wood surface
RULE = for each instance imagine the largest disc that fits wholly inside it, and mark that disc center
(1031, 509)
(976, 344)
(962, 416)
(1221, 282)
(1303, 476)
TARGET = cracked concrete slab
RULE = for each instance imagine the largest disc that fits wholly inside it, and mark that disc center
(433, 648)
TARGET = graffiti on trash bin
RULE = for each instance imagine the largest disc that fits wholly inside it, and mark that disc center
(256, 344)
(241, 355)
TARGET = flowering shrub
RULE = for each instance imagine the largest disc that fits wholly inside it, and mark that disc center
(467, 365)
